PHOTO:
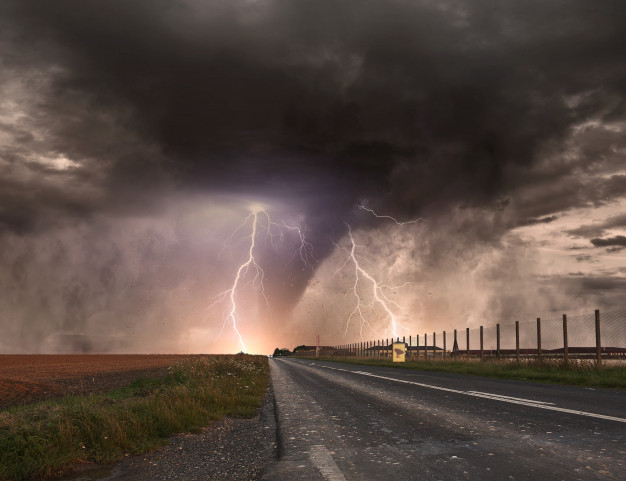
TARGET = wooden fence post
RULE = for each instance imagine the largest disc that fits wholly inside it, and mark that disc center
(539, 338)
(444, 344)
(467, 346)
(598, 342)
(482, 350)
(434, 345)
(498, 341)
(455, 342)
(517, 340)
(565, 346)
(426, 346)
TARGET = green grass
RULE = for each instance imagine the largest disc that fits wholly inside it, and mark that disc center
(46, 439)
(576, 372)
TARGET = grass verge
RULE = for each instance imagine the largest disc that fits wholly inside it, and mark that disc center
(48, 438)
(576, 372)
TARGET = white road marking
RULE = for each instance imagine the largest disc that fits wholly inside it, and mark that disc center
(495, 397)
(504, 398)
(322, 460)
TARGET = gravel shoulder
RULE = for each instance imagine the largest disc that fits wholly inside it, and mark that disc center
(230, 449)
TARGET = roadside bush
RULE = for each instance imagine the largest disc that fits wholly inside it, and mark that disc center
(47, 438)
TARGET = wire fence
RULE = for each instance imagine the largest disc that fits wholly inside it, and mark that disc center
(582, 336)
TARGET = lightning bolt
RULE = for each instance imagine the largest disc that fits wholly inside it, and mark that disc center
(305, 249)
(393, 311)
(414, 221)
(256, 217)
(377, 291)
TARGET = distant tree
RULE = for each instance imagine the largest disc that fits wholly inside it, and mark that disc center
(281, 352)
(298, 348)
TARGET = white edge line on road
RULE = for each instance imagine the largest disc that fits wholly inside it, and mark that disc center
(324, 462)
(495, 397)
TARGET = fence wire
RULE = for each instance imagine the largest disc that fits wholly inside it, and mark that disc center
(613, 329)
(581, 335)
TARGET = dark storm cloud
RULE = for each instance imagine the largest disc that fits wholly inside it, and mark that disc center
(116, 111)
(598, 229)
(569, 190)
(586, 258)
(409, 103)
(618, 240)
(542, 220)
(605, 283)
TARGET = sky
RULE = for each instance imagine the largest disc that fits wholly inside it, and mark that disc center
(405, 166)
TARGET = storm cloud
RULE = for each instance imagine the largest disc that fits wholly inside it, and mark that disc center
(618, 240)
(118, 114)
(599, 228)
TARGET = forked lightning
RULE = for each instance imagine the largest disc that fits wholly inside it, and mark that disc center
(269, 228)
(393, 311)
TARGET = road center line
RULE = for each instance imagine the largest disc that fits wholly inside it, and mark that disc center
(505, 398)
(494, 397)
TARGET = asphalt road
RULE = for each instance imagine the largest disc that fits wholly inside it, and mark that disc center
(341, 422)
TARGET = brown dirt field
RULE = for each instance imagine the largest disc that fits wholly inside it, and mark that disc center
(30, 378)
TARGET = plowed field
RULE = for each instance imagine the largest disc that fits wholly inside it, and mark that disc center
(31, 378)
